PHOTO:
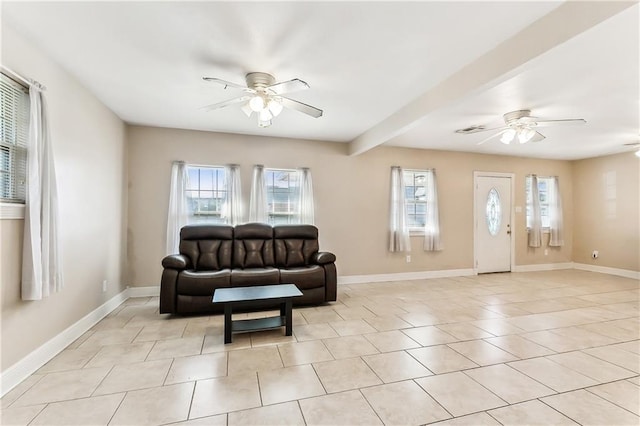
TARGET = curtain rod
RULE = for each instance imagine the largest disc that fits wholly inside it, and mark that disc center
(14, 75)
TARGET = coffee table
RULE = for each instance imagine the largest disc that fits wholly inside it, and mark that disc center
(257, 296)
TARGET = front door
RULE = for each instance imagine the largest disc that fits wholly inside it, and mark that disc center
(493, 223)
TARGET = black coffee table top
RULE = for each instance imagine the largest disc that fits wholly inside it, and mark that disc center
(259, 292)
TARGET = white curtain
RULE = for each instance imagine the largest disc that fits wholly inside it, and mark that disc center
(42, 257)
(232, 207)
(535, 226)
(432, 241)
(555, 215)
(178, 215)
(306, 196)
(258, 201)
(398, 228)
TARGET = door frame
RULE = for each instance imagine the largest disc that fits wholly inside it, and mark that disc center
(476, 214)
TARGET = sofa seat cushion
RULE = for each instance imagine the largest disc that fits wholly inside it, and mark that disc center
(202, 283)
(254, 276)
(305, 277)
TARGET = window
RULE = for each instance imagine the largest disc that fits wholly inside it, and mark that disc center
(544, 185)
(415, 186)
(14, 128)
(206, 194)
(283, 195)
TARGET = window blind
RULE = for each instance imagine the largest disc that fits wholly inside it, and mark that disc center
(14, 127)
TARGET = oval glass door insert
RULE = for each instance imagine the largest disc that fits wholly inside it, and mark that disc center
(493, 212)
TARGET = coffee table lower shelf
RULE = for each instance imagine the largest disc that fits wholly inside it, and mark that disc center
(257, 324)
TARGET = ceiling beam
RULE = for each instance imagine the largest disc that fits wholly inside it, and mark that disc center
(563, 23)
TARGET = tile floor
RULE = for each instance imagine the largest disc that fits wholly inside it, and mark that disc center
(558, 347)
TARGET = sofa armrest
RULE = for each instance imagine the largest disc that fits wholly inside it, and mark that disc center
(176, 261)
(323, 257)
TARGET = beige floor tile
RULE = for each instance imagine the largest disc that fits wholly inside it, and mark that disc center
(592, 367)
(388, 341)
(633, 346)
(198, 367)
(140, 375)
(617, 356)
(165, 404)
(349, 346)
(127, 353)
(353, 313)
(289, 384)
(508, 383)
(346, 408)
(18, 416)
(459, 394)
(322, 316)
(418, 319)
(530, 413)
(609, 329)
(203, 328)
(225, 394)
(519, 346)
(215, 343)
(481, 352)
(61, 386)
(635, 380)
(553, 375)
(173, 348)
(554, 341)
(497, 327)
(622, 393)
(304, 353)
(15, 393)
(219, 420)
(110, 323)
(464, 331)
(86, 411)
(478, 419)
(111, 337)
(352, 327)
(387, 323)
(588, 338)
(589, 409)
(270, 337)
(254, 359)
(441, 359)
(429, 335)
(345, 374)
(163, 331)
(314, 332)
(396, 366)
(69, 359)
(287, 414)
(404, 403)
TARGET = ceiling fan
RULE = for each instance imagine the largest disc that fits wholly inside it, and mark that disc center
(263, 95)
(520, 125)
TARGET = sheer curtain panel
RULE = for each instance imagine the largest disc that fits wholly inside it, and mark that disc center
(555, 215)
(178, 215)
(258, 200)
(232, 208)
(535, 230)
(432, 241)
(398, 228)
(306, 197)
(42, 257)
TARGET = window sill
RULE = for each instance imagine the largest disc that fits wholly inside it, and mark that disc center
(416, 233)
(11, 211)
(544, 230)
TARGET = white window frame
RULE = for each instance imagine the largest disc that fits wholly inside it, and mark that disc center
(544, 200)
(416, 230)
(292, 212)
(218, 186)
(13, 141)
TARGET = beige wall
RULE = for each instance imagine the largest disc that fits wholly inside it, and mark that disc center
(352, 197)
(89, 149)
(607, 214)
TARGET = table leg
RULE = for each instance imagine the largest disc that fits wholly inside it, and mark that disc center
(288, 318)
(227, 323)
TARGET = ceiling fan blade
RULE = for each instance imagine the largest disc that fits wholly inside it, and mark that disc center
(492, 136)
(225, 103)
(225, 83)
(545, 123)
(288, 86)
(299, 106)
(487, 130)
(538, 137)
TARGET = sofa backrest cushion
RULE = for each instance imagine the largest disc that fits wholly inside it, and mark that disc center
(253, 246)
(208, 246)
(295, 244)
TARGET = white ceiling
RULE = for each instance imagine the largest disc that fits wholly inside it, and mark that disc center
(375, 68)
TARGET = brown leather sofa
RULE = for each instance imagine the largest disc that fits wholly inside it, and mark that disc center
(217, 256)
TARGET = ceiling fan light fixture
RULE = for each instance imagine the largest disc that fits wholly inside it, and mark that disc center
(264, 123)
(257, 103)
(265, 115)
(246, 108)
(275, 107)
(638, 153)
(508, 136)
(525, 134)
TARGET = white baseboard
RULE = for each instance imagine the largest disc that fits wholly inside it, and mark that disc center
(19, 371)
(543, 267)
(404, 276)
(606, 270)
(150, 291)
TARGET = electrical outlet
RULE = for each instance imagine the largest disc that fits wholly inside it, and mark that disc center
(546, 252)
(408, 258)
(104, 286)
(595, 254)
